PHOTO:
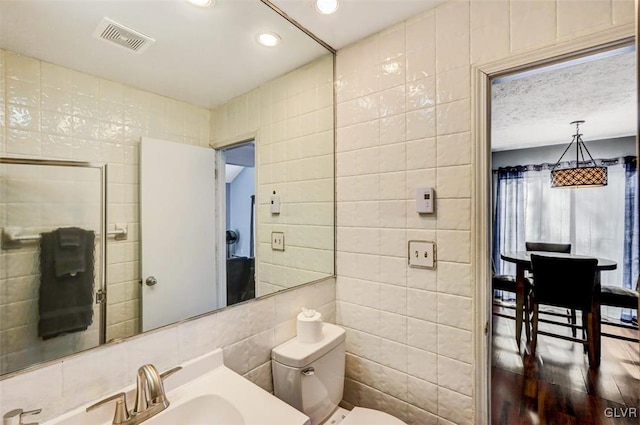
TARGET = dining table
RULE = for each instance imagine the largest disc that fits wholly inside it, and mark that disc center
(522, 260)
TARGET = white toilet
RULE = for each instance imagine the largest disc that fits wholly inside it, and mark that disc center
(310, 377)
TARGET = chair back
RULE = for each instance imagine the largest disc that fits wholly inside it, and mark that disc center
(564, 248)
(564, 282)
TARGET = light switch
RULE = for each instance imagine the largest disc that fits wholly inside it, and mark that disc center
(422, 254)
(277, 241)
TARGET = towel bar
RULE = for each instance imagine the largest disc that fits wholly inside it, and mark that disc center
(12, 239)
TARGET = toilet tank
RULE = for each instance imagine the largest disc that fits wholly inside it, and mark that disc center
(310, 377)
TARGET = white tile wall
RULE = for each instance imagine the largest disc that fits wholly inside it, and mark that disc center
(292, 119)
(59, 113)
(409, 338)
(246, 332)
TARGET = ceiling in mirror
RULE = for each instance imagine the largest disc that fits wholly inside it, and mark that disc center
(200, 55)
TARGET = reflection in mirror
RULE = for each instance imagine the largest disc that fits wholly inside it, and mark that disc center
(292, 120)
(49, 276)
(177, 230)
(69, 95)
(240, 202)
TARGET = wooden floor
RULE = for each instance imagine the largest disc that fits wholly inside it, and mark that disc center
(566, 390)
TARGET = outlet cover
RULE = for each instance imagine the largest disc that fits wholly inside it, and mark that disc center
(277, 241)
(422, 254)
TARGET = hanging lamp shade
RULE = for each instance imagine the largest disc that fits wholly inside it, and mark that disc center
(586, 175)
(579, 177)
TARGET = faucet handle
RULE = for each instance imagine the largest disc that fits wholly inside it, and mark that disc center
(168, 373)
(14, 417)
(121, 414)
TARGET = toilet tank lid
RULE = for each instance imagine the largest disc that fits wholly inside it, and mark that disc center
(293, 353)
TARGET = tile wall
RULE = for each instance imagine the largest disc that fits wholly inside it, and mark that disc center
(59, 113)
(246, 332)
(291, 119)
(404, 121)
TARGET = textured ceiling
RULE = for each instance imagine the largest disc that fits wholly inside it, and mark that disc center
(537, 110)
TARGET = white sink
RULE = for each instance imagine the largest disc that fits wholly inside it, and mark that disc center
(207, 409)
(204, 392)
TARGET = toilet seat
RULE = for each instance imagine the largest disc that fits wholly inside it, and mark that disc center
(362, 416)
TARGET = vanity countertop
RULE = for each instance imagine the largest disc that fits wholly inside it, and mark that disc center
(204, 392)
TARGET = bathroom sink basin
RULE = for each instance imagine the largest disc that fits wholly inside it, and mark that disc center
(204, 392)
(208, 409)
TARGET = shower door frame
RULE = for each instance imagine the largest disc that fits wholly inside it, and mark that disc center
(102, 273)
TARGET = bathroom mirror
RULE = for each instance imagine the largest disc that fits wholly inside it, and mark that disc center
(87, 80)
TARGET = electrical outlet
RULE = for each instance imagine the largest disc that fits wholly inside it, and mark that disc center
(422, 254)
(277, 241)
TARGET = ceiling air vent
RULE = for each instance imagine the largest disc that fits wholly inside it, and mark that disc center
(123, 36)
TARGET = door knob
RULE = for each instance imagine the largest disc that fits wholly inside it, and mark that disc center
(151, 281)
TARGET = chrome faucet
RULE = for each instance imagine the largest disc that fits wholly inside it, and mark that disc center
(150, 397)
(149, 390)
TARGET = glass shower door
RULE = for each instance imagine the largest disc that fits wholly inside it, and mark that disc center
(51, 261)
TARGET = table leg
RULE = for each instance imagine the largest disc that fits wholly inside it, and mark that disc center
(519, 302)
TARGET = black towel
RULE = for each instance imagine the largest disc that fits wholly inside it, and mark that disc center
(66, 302)
(69, 251)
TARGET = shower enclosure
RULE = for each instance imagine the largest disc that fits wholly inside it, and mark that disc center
(52, 261)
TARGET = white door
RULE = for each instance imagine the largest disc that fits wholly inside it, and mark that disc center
(177, 229)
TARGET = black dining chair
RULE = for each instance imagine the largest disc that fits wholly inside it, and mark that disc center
(563, 248)
(615, 296)
(502, 282)
(507, 283)
(568, 283)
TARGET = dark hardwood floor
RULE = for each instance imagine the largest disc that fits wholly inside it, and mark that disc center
(564, 390)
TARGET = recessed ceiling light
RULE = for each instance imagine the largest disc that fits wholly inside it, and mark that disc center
(268, 39)
(326, 7)
(202, 3)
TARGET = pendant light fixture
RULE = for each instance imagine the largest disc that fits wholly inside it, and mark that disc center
(584, 175)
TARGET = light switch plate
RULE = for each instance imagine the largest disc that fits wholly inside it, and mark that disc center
(277, 241)
(422, 254)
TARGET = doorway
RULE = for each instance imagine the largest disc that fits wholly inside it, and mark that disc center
(554, 382)
(240, 221)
